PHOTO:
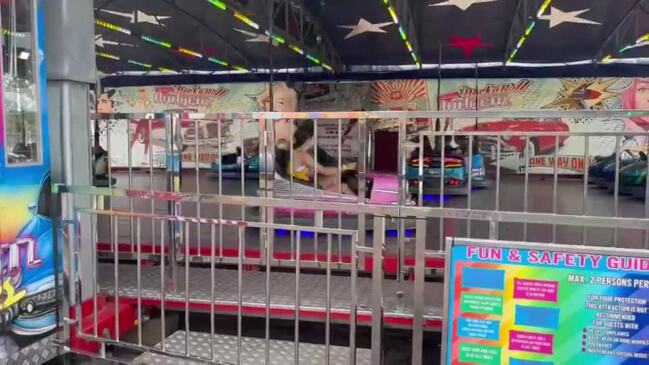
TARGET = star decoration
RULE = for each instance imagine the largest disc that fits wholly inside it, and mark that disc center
(101, 42)
(468, 45)
(364, 26)
(255, 37)
(582, 94)
(462, 4)
(138, 16)
(557, 17)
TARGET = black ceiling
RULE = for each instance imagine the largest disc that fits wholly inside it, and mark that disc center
(489, 30)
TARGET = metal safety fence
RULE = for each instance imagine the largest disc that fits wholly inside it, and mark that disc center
(178, 222)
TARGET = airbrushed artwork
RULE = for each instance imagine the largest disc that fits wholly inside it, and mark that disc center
(27, 276)
(557, 94)
(238, 144)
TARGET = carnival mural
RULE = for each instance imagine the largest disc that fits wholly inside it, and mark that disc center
(417, 94)
(27, 288)
(556, 94)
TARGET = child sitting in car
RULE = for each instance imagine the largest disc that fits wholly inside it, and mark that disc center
(303, 165)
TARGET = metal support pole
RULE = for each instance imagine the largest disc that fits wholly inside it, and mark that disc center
(377, 288)
(418, 305)
(70, 72)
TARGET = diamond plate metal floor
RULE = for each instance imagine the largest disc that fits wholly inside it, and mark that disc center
(252, 351)
(397, 308)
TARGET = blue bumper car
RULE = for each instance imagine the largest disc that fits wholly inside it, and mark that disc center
(456, 171)
(230, 166)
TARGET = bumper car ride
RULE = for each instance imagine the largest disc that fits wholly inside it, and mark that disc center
(602, 171)
(606, 179)
(381, 189)
(230, 168)
(455, 175)
(633, 179)
(596, 169)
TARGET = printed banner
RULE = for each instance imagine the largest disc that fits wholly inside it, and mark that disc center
(557, 94)
(519, 304)
(417, 94)
(145, 140)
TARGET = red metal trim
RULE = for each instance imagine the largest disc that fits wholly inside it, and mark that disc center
(105, 322)
(389, 261)
(307, 314)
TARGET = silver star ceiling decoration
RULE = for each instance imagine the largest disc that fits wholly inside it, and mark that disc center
(462, 4)
(138, 16)
(557, 17)
(363, 26)
(255, 37)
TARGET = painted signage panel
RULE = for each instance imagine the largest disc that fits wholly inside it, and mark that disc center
(520, 303)
(418, 94)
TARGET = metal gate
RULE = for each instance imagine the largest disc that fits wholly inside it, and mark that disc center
(289, 251)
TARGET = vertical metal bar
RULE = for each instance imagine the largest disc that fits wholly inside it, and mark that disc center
(93, 250)
(328, 304)
(219, 122)
(151, 182)
(616, 188)
(77, 275)
(362, 171)
(495, 225)
(267, 319)
(242, 233)
(270, 183)
(129, 158)
(186, 288)
(442, 182)
(110, 179)
(93, 235)
(243, 170)
(263, 177)
(418, 305)
(420, 172)
(584, 207)
(197, 126)
(315, 159)
(115, 229)
(470, 181)
(555, 186)
(296, 336)
(163, 286)
(290, 185)
(108, 162)
(139, 280)
(377, 288)
(527, 182)
(354, 299)
(212, 285)
(340, 183)
(403, 190)
(318, 214)
(175, 236)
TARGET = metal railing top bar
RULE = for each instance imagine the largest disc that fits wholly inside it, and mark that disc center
(532, 133)
(372, 209)
(528, 217)
(217, 221)
(532, 114)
